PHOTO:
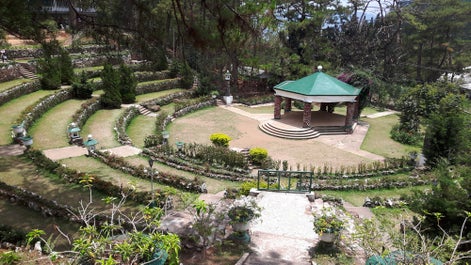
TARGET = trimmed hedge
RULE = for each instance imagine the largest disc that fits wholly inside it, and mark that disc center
(149, 87)
(123, 121)
(18, 91)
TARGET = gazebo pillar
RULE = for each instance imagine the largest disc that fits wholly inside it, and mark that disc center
(307, 115)
(356, 110)
(349, 117)
(277, 114)
(287, 104)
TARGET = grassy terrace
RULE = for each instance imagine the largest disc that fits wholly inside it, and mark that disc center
(10, 112)
(50, 131)
(159, 94)
(7, 85)
(378, 139)
(101, 125)
(214, 185)
(102, 171)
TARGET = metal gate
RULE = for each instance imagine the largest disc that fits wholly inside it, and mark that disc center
(285, 181)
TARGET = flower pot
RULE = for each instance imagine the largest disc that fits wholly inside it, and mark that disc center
(240, 227)
(328, 237)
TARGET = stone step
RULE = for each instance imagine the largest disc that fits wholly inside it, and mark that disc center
(26, 73)
(299, 134)
(144, 111)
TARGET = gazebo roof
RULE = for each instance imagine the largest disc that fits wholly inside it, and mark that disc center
(318, 84)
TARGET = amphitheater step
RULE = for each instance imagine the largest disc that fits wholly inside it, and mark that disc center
(295, 134)
(144, 111)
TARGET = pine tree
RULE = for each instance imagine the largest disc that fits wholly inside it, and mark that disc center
(110, 85)
(127, 85)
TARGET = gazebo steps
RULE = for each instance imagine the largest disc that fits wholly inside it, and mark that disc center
(295, 134)
(330, 130)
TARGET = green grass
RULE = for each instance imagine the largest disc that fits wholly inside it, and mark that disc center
(139, 128)
(214, 185)
(378, 140)
(101, 125)
(50, 131)
(357, 198)
(159, 94)
(92, 68)
(10, 112)
(264, 109)
(9, 84)
(102, 171)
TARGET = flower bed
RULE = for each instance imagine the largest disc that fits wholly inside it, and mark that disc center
(180, 164)
(19, 91)
(195, 185)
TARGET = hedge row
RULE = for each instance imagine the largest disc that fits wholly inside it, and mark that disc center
(167, 99)
(149, 76)
(150, 87)
(36, 110)
(87, 109)
(18, 91)
(203, 170)
(103, 186)
(123, 121)
(195, 185)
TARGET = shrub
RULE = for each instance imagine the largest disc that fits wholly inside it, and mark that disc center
(83, 89)
(247, 185)
(220, 139)
(404, 137)
(9, 257)
(257, 155)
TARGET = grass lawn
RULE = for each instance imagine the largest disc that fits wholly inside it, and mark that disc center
(159, 94)
(214, 185)
(102, 171)
(9, 84)
(139, 128)
(50, 131)
(378, 138)
(10, 112)
(101, 125)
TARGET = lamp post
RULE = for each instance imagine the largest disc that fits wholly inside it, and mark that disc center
(165, 136)
(90, 144)
(179, 146)
(228, 98)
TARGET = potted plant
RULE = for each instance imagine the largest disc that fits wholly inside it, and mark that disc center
(242, 212)
(328, 226)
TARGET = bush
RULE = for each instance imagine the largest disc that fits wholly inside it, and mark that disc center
(83, 89)
(404, 137)
(220, 139)
(257, 155)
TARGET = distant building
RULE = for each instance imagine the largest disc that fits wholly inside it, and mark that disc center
(64, 14)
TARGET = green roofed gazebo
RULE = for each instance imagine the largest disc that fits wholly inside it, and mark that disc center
(317, 88)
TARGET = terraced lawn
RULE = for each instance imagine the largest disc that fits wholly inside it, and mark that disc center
(214, 185)
(50, 131)
(10, 112)
(7, 85)
(102, 171)
(159, 94)
(139, 128)
(378, 138)
(100, 125)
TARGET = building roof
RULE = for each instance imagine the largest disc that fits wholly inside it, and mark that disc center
(318, 84)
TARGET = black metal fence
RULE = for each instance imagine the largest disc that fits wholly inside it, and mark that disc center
(285, 181)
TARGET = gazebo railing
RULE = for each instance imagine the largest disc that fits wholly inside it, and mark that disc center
(284, 181)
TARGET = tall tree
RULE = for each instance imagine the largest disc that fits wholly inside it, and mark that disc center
(110, 84)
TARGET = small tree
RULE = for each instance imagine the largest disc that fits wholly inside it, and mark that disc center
(83, 89)
(66, 68)
(127, 85)
(220, 139)
(110, 84)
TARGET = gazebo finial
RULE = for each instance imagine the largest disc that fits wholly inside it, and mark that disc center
(319, 68)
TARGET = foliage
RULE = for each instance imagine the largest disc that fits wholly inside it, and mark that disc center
(220, 139)
(258, 155)
(217, 156)
(11, 235)
(9, 258)
(405, 137)
(66, 68)
(83, 89)
(244, 210)
(447, 133)
(206, 222)
(110, 84)
(50, 73)
(127, 85)
(328, 222)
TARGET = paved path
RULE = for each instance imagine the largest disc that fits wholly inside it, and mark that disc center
(284, 234)
(74, 151)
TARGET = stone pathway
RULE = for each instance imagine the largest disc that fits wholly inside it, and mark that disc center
(284, 233)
